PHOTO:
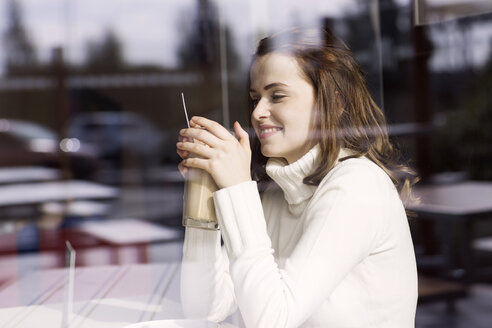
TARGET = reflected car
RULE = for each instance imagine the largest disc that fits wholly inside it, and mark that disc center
(119, 136)
(25, 143)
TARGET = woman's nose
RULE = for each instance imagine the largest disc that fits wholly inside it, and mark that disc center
(261, 110)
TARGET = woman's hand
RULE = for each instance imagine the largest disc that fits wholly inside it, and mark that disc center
(183, 154)
(227, 159)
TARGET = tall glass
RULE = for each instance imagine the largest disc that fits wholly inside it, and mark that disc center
(198, 202)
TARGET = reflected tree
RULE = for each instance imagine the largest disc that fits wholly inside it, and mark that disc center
(466, 136)
(200, 51)
(200, 45)
(20, 51)
(356, 29)
(105, 55)
(202, 39)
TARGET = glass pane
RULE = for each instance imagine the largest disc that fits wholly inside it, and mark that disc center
(435, 11)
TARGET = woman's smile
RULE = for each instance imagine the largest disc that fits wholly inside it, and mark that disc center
(267, 131)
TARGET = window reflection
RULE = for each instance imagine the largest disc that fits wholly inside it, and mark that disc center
(90, 92)
(435, 11)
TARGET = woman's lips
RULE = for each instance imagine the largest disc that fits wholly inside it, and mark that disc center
(268, 131)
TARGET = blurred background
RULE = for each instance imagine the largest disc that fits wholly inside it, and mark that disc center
(90, 109)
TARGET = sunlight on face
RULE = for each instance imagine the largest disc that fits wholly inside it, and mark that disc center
(284, 102)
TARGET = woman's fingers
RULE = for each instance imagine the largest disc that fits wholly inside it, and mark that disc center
(201, 135)
(215, 128)
(216, 150)
(182, 169)
(183, 139)
(242, 135)
(199, 163)
(195, 148)
(183, 154)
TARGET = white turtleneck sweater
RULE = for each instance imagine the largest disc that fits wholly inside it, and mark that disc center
(335, 255)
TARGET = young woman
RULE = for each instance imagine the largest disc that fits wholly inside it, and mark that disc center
(326, 243)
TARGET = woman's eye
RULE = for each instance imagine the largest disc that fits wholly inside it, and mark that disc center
(254, 102)
(276, 98)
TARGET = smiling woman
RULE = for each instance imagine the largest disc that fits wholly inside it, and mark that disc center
(327, 244)
(283, 107)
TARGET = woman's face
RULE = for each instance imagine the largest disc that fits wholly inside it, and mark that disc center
(284, 103)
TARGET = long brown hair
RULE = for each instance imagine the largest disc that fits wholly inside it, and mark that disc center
(346, 115)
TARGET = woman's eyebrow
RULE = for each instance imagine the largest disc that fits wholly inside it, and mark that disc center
(271, 85)
(275, 84)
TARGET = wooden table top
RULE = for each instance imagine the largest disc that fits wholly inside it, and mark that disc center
(463, 198)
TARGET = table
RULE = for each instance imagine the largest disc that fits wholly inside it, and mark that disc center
(110, 238)
(28, 174)
(461, 203)
(42, 192)
(23, 199)
(104, 297)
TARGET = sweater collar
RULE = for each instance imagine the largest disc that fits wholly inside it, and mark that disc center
(290, 176)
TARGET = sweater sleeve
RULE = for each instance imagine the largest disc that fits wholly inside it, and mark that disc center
(341, 228)
(207, 291)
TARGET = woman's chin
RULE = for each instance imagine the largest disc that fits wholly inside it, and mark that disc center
(269, 152)
(266, 152)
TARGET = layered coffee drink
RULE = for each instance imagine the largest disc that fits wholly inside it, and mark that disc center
(198, 202)
(198, 206)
